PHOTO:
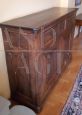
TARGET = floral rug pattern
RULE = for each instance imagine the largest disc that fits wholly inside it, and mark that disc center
(73, 105)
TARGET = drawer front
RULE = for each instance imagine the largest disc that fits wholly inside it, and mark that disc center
(48, 38)
(26, 39)
(71, 21)
(10, 38)
(17, 39)
(61, 26)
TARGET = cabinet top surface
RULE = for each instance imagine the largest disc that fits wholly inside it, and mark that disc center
(37, 20)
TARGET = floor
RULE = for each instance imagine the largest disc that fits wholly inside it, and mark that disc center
(57, 98)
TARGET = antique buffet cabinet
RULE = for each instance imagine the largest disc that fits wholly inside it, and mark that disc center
(38, 49)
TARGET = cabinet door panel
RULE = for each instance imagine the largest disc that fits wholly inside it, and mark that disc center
(11, 72)
(47, 72)
(22, 73)
(48, 38)
(51, 65)
(11, 38)
(64, 53)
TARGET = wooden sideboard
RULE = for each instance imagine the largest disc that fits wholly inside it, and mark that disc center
(38, 49)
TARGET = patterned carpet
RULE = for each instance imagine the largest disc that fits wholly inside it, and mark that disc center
(73, 105)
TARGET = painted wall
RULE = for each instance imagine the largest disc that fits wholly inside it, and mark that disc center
(80, 9)
(15, 8)
(71, 3)
(63, 3)
(12, 9)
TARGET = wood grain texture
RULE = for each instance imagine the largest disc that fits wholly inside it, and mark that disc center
(57, 98)
(36, 59)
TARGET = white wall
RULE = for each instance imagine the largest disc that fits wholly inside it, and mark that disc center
(71, 3)
(63, 3)
(80, 9)
(11, 9)
(15, 8)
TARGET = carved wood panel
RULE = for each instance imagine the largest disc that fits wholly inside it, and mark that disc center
(36, 57)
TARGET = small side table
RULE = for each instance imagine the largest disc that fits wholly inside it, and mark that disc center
(79, 22)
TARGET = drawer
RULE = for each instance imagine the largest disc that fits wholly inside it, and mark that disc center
(17, 39)
(61, 26)
(48, 38)
(26, 39)
(70, 21)
(11, 38)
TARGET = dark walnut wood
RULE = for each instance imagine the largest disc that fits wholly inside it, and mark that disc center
(38, 49)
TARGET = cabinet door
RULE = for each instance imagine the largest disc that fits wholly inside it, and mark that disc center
(47, 75)
(51, 66)
(48, 37)
(22, 72)
(10, 38)
(11, 72)
(64, 53)
(18, 70)
(18, 63)
(60, 54)
(68, 47)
